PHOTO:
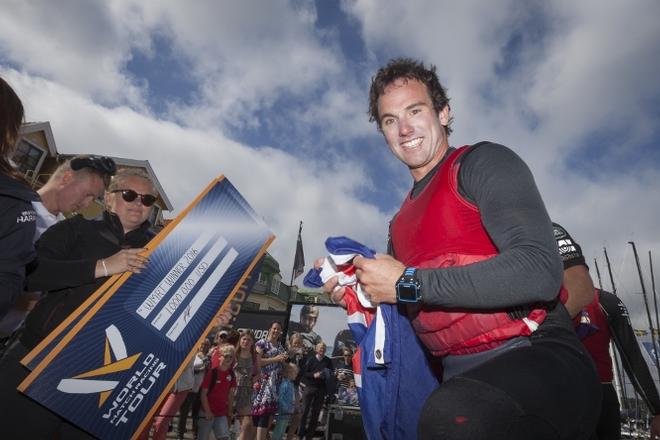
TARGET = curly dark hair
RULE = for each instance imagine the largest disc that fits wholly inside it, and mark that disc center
(409, 69)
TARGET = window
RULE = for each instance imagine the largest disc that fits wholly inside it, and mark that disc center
(247, 305)
(262, 278)
(27, 157)
(154, 216)
(275, 284)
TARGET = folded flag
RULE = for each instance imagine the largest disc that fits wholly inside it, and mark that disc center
(339, 263)
(391, 398)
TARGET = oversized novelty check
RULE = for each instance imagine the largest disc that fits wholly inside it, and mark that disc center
(111, 363)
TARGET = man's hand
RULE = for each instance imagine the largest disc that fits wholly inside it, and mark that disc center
(378, 277)
(335, 292)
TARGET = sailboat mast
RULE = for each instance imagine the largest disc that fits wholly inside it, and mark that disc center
(646, 305)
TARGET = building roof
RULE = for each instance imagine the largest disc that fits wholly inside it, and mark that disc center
(33, 127)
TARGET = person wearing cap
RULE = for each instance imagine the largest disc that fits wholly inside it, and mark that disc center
(309, 315)
(74, 258)
(72, 187)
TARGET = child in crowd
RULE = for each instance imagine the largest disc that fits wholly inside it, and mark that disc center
(285, 403)
(217, 395)
(348, 395)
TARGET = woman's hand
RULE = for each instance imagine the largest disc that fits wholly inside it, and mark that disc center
(125, 260)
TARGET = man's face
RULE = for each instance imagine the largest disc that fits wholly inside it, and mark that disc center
(412, 129)
(308, 322)
(320, 349)
(131, 214)
(77, 192)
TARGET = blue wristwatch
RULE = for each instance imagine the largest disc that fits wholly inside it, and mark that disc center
(408, 287)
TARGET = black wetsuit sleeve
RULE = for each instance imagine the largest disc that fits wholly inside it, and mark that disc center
(55, 268)
(632, 359)
(569, 250)
(528, 268)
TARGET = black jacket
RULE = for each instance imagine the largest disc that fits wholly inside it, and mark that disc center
(313, 365)
(17, 225)
(66, 260)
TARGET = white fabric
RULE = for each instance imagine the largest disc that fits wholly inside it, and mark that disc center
(329, 270)
(379, 342)
(187, 378)
(45, 219)
(199, 371)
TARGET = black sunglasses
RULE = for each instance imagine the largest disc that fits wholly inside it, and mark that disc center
(129, 195)
(102, 164)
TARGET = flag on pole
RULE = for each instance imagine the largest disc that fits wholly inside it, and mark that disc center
(299, 259)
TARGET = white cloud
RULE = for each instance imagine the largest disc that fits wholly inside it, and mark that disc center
(80, 44)
(282, 188)
(581, 68)
(584, 69)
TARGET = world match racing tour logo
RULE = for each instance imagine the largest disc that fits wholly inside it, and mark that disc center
(100, 380)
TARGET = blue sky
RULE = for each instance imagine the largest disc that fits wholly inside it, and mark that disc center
(273, 94)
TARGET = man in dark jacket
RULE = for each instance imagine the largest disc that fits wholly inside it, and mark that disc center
(316, 373)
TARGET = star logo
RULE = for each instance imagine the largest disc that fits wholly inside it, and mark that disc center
(84, 384)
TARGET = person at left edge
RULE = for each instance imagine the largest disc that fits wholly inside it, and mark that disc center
(17, 216)
(73, 186)
(75, 257)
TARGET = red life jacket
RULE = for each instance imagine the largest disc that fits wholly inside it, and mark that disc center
(439, 228)
(598, 343)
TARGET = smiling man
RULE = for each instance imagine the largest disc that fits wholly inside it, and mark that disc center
(474, 264)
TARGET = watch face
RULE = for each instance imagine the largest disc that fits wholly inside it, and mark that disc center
(406, 292)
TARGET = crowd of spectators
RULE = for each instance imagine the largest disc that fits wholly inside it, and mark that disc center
(247, 389)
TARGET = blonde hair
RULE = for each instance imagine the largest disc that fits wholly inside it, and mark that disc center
(227, 349)
(125, 173)
(85, 171)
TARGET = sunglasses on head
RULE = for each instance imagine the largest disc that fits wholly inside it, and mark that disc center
(102, 164)
(129, 195)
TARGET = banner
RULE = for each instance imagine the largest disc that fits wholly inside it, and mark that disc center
(259, 321)
(117, 357)
(320, 323)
